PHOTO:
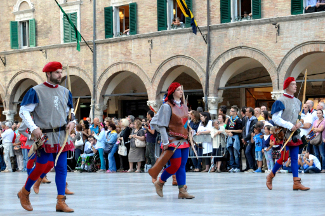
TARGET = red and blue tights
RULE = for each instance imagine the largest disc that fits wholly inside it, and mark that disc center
(44, 164)
(294, 150)
(177, 166)
(30, 165)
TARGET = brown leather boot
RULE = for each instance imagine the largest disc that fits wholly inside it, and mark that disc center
(174, 181)
(269, 179)
(159, 186)
(45, 180)
(297, 184)
(36, 185)
(67, 192)
(183, 194)
(61, 206)
(23, 195)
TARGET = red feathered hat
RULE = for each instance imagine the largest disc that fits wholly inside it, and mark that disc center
(52, 66)
(171, 89)
(287, 82)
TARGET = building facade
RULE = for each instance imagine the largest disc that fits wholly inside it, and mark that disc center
(255, 45)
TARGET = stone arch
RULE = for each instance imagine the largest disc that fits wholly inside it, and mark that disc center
(76, 71)
(295, 55)
(114, 70)
(19, 2)
(219, 66)
(14, 83)
(165, 68)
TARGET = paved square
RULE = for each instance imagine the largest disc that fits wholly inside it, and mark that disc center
(134, 194)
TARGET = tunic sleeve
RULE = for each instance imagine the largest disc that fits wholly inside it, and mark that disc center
(162, 118)
(30, 98)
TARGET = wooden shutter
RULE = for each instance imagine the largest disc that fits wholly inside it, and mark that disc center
(162, 15)
(74, 19)
(256, 5)
(108, 16)
(188, 19)
(225, 14)
(14, 35)
(133, 18)
(32, 33)
(66, 29)
(296, 7)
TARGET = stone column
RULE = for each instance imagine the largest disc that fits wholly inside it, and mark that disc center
(155, 104)
(213, 104)
(99, 111)
(276, 94)
(10, 114)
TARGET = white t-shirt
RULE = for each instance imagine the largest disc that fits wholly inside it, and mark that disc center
(207, 147)
(8, 136)
(315, 160)
(307, 119)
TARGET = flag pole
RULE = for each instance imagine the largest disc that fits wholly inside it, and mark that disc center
(208, 59)
(94, 60)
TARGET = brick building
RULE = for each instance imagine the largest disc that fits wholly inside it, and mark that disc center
(139, 52)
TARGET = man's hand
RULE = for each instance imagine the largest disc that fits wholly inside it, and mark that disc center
(317, 4)
(294, 128)
(165, 147)
(230, 134)
(37, 133)
(307, 7)
(70, 126)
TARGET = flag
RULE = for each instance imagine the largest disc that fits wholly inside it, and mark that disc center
(78, 35)
(187, 13)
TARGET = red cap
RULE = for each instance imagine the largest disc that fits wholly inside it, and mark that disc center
(287, 82)
(171, 89)
(52, 66)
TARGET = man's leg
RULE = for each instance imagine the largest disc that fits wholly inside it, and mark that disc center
(231, 160)
(237, 158)
(294, 150)
(322, 153)
(249, 156)
(151, 148)
(6, 150)
(181, 176)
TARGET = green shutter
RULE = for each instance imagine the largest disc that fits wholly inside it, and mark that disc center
(188, 19)
(74, 19)
(162, 15)
(256, 5)
(66, 30)
(225, 14)
(14, 35)
(133, 18)
(108, 16)
(32, 33)
(296, 7)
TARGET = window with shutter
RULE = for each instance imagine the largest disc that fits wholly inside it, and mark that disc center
(162, 15)
(256, 6)
(296, 7)
(14, 35)
(74, 19)
(32, 33)
(225, 11)
(69, 33)
(133, 18)
(188, 19)
(108, 16)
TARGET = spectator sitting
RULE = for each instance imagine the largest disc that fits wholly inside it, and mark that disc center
(246, 16)
(112, 140)
(234, 130)
(7, 140)
(287, 165)
(94, 128)
(258, 115)
(194, 124)
(249, 129)
(311, 6)
(88, 152)
(205, 127)
(218, 135)
(258, 145)
(320, 5)
(267, 148)
(310, 163)
(222, 119)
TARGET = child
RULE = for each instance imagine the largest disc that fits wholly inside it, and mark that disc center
(276, 145)
(267, 149)
(256, 138)
(218, 143)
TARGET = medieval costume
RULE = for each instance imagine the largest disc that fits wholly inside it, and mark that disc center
(171, 121)
(49, 105)
(285, 113)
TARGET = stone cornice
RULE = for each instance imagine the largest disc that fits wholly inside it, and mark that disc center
(24, 11)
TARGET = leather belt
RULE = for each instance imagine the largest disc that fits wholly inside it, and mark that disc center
(54, 129)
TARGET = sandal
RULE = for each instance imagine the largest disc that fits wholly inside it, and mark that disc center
(129, 171)
(138, 171)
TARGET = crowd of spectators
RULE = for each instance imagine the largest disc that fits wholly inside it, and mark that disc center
(235, 140)
(315, 6)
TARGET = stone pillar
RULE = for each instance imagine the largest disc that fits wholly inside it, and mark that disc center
(213, 104)
(99, 111)
(276, 94)
(10, 114)
(155, 104)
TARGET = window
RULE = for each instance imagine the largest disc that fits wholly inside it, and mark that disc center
(72, 9)
(69, 33)
(22, 34)
(239, 10)
(120, 20)
(297, 7)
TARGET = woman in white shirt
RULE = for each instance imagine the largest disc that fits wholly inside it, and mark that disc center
(205, 127)
(7, 138)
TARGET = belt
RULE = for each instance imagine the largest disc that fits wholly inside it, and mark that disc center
(54, 129)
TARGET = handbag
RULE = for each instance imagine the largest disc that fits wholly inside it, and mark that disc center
(122, 150)
(318, 138)
(140, 143)
(79, 142)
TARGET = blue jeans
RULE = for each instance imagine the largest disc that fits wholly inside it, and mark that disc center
(314, 169)
(249, 155)
(197, 162)
(102, 161)
(25, 158)
(111, 159)
(320, 149)
(77, 153)
(234, 157)
(2, 163)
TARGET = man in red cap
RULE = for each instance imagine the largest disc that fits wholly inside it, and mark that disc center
(50, 104)
(285, 113)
